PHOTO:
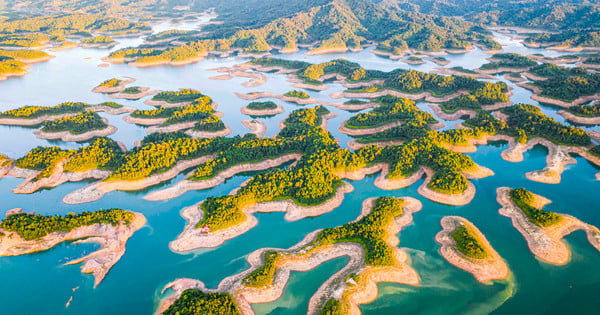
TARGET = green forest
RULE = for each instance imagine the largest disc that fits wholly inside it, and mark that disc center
(468, 243)
(524, 199)
(194, 302)
(78, 124)
(32, 226)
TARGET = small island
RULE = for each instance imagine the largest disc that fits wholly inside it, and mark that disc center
(543, 230)
(177, 98)
(507, 62)
(101, 42)
(37, 115)
(22, 233)
(113, 85)
(81, 127)
(369, 241)
(258, 109)
(583, 114)
(465, 247)
(133, 93)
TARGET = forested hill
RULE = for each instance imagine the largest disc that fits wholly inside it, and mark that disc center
(547, 14)
(338, 23)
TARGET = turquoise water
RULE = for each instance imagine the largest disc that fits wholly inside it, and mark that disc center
(40, 284)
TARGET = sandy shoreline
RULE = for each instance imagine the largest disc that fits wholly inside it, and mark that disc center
(186, 185)
(67, 136)
(486, 269)
(262, 112)
(256, 126)
(144, 91)
(297, 258)
(191, 238)
(97, 190)
(370, 131)
(297, 100)
(208, 134)
(111, 238)
(579, 119)
(545, 242)
(115, 89)
(546, 100)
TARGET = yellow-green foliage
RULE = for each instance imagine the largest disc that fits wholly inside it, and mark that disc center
(468, 243)
(103, 153)
(31, 226)
(110, 83)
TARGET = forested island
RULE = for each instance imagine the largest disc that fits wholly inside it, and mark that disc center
(81, 127)
(22, 233)
(543, 230)
(465, 247)
(369, 240)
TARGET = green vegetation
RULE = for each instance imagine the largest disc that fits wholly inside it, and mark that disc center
(24, 40)
(98, 40)
(312, 180)
(78, 124)
(468, 243)
(10, 66)
(552, 70)
(263, 276)
(368, 231)
(183, 95)
(200, 110)
(44, 159)
(197, 302)
(32, 227)
(332, 307)
(332, 24)
(488, 94)
(524, 200)
(567, 84)
(297, 94)
(262, 105)
(592, 110)
(103, 153)
(23, 55)
(132, 90)
(29, 112)
(509, 60)
(392, 109)
(114, 82)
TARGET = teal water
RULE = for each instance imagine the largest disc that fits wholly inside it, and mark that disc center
(40, 284)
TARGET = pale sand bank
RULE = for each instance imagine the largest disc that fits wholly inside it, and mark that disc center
(111, 238)
(545, 242)
(487, 269)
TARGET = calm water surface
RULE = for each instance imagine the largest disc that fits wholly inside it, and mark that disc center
(40, 284)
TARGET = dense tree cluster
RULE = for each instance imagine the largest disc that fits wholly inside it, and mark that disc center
(312, 180)
(509, 60)
(369, 231)
(31, 226)
(44, 159)
(263, 276)
(24, 40)
(261, 105)
(183, 95)
(132, 90)
(391, 109)
(11, 66)
(196, 302)
(28, 112)
(488, 94)
(103, 153)
(524, 199)
(591, 110)
(332, 307)
(570, 87)
(468, 243)
(297, 94)
(553, 70)
(80, 123)
(102, 39)
(23, 55)
(114, 82)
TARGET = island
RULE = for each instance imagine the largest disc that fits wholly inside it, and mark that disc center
(133, 93)
(177, 98)
(81, 127)
(47, 167)
(465, 247)
(543, 230)
(370, 241)
(37, 115)
(228, 216)
(22, 233)
(258, 109)
(583, 114)
(101, 42)
(198, 117)
(113, 85)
